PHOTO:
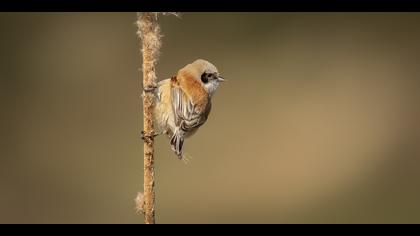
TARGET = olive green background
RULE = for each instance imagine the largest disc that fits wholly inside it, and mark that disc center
(318, 123)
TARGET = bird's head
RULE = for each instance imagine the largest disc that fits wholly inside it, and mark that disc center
(206, 73)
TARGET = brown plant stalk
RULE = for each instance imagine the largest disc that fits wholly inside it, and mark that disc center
(149, 35)
(148, 31)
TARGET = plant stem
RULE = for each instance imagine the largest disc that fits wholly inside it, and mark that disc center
(149, 35)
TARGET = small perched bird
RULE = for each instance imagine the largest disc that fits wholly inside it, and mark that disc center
(183, 102)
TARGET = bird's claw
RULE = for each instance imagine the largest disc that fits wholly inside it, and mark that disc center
(144, 135)
(150, 89)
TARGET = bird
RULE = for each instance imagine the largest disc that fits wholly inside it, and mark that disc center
(183, 102)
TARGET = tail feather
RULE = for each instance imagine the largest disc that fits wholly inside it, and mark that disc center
(177, 141)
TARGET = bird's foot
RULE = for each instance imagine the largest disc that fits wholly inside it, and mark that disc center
(148, 136)
(150, 89)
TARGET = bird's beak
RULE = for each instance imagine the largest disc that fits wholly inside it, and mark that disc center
(221, 79)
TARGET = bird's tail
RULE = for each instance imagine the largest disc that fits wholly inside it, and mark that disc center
(177, 142)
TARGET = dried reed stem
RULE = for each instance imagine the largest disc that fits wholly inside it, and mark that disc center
(148, 31)
(149, 35)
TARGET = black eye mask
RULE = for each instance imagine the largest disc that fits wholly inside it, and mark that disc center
(205, 77)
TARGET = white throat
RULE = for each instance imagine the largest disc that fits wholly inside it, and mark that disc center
(211, 87)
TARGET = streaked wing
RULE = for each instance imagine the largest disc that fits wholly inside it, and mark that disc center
(186, 115)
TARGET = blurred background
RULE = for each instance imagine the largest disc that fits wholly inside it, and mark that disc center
(319, 122)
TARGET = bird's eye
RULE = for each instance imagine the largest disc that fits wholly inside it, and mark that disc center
(205, 77)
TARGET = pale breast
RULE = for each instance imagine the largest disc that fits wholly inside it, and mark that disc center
(163, 113)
